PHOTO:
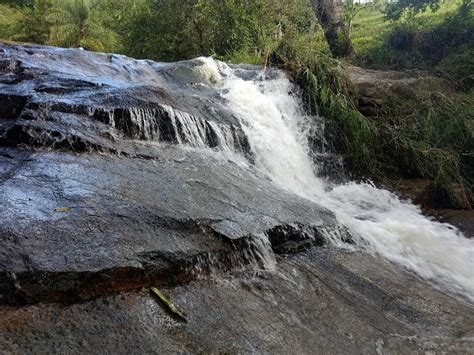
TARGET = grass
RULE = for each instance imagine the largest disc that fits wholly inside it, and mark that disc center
(371, 36)
(428, 135)
(327, 91)
(431, 136)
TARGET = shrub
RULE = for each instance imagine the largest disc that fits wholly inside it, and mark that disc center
(403, 37)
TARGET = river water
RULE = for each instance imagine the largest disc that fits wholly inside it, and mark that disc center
(277, 129)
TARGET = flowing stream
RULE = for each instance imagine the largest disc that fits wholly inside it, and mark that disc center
(381, 223)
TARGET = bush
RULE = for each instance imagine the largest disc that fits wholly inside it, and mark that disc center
(459, 67)
(430, 138)
(9, 18)
(403, 37)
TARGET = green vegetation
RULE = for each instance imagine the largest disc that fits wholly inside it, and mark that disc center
(397, 9)
(165, 30)
(327, 91)
(430, 136)
(69, 23)
(418, 40)
(427, 135)
(238, 30)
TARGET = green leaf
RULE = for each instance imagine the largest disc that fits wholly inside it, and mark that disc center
(168, 303)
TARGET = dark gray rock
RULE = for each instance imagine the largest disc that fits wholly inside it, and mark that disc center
(138, 218)
(98, 191)
(321, 301)
(83, 101)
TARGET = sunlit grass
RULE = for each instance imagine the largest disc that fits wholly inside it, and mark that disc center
(370, 26)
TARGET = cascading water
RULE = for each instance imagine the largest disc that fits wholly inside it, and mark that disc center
(378, 220)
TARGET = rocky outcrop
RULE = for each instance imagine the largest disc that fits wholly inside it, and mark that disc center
(106, 190)
(98, 191)
(80, 226)
(375, 88)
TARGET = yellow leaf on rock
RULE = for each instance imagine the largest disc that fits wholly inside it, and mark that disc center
(62, 209)
(168, 303)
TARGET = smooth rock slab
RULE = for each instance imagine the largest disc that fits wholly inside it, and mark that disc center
(321, 301)
(77, 226)
(100, 190)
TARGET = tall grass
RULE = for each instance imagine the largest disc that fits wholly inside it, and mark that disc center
(327, 91)
(432, 138)
(429, 136)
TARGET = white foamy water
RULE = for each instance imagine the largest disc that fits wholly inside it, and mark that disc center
(378, 220)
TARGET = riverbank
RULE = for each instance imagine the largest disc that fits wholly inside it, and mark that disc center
(425, 129)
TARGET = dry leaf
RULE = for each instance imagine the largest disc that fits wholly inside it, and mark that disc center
(168, 303)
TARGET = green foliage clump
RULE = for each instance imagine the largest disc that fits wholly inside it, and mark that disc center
(90, 24)
(9, 17)
(327, 91)
(35, 24)
(431, 137)
(228, 29)
(420, 40)
(397, 9)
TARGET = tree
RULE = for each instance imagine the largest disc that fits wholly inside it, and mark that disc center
(79, 23)
(351, 9)
(328, 13)
(35, 24)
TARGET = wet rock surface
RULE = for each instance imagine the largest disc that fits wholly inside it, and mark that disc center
(105, 190)
(322, 300)
(462, 219)
(426, 194)
(71, 225)
(82, 101)
(104, 186)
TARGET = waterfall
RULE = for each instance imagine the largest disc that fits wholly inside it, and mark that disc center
(380, 223)
(164, 123)
(272, 130)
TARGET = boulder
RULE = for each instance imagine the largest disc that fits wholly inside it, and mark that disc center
(375, 88)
